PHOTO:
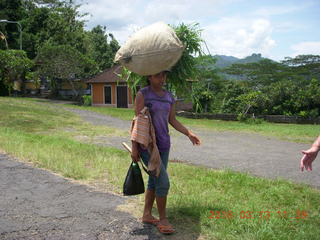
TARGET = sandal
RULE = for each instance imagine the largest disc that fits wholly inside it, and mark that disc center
(165, 229)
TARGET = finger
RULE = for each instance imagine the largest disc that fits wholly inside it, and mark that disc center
(309, 166)
(302, 162)
(301, 166)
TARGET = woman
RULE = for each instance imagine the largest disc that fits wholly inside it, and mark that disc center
(161, 106)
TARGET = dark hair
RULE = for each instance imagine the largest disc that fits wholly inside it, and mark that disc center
(147, 80)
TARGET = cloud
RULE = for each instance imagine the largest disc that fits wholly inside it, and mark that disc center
(183, 10)
(122, 17)
(283, 8)
(114, 14)
(239, 37)
(276, 10)
(303, 48)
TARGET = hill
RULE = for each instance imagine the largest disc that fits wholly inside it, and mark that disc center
(226, 61)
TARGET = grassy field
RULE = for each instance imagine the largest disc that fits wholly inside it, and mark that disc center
(202, 202)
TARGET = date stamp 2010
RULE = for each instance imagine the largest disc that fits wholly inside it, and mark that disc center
(263, 214)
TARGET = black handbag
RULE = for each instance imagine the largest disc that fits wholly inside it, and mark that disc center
(133, 184)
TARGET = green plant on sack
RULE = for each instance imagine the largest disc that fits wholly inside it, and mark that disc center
(185, 69)
(87, 100)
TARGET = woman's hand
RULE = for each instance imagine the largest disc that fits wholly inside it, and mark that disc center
(194, 138)
(135, 153)
(135, 157)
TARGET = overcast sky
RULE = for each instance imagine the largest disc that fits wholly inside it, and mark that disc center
(274, 28)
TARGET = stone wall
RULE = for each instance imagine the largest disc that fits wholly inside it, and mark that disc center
(268, 118)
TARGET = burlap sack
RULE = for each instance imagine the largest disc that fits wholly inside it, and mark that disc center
(151, 50)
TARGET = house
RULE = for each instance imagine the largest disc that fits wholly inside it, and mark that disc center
(108, 89)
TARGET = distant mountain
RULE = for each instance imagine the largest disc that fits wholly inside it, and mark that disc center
(225, 61)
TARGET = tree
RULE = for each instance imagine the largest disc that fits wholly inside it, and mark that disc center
(250, 100)
(102, 51)
(207, 85)
(11, 10)
(302, 60)
(259, 74)
(64, 62)
(306, 66)
(13, 65)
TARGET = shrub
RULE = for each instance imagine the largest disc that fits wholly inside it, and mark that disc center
(87, 100)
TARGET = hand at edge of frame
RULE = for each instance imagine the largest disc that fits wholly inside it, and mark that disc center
(307, 159)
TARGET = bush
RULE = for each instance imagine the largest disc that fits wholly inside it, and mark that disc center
(249, 120)
(87, 100)
(242, 117)
(254, 121)
(309, 113)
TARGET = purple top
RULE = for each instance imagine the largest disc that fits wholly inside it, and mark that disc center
(159, 107)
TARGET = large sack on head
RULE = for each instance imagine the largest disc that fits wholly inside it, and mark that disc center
(151, 50)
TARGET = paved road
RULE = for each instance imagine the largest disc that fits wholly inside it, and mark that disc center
(36, 204)
(252, 153)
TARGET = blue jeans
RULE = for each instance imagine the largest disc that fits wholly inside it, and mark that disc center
(159, 184)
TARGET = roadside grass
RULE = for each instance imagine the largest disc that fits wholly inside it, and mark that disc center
(228, 205)
(30, 116)
(303, 133)
(216, 204)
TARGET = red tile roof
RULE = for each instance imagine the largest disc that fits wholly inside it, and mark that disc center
(108, 76)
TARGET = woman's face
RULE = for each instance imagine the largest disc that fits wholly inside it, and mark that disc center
(158, 79)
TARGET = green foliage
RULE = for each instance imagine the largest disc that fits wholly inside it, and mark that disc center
(101, 50)
(64, 61)
(34, 77)
(267, 87)
(55, 23)
(4, 91)
(259, 73)
(87, 100)
(250, 100)
(133, 80)
(302, 60)
(242, 117)
(185, 69)
(13, 66)
(208, 84)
